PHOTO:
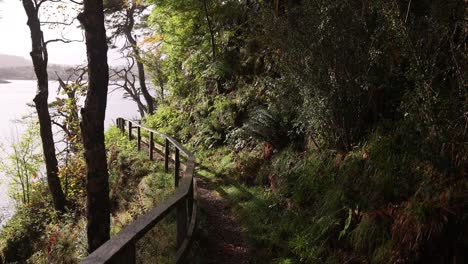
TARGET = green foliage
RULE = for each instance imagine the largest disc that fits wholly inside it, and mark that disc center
(63, 243)
(26, 232)
(72, 175)
(351, 66)
(138, 185)
(197, 56)
(378, 89)
(369, 235)
(372, 205)
(36, 234)
(22, 164)
(169, 121)
(151, 250)
(273, 127)
(118, 141)
(313, 83)
(18, 233)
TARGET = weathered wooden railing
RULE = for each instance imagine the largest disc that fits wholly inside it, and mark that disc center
(121, 247)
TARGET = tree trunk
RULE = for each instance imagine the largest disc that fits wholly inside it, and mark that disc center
(142, 79)
(141, 69)
(141, 107)
(210, 28)
(92, 125)
(39, 57)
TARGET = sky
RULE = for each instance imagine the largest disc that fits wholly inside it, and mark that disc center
(16, 38)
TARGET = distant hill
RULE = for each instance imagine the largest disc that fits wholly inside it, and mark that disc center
(9, 61)
(19, 68)
(27, 72)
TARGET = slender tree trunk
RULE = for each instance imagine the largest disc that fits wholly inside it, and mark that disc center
(210, 28)
(92, 125)
(219, 84)
(136, 51)
(142, 79)
(161, 86)
(39, 57)
(141, 107)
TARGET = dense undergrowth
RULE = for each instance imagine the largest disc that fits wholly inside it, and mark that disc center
(336, 128)
(35, 234)
(374, 205)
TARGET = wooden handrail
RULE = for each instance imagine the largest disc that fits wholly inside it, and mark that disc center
(121, 247)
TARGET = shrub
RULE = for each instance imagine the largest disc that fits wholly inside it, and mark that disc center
(18, 235)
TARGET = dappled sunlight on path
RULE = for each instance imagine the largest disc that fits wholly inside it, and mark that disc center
(223, 241)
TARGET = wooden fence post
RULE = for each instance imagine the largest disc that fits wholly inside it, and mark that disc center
(190, 201)
(139, 138)
(181, 222)
(166, 155)
(123, 126)
(127, 255)
(151, 146)
(130, 136)
(176, 167)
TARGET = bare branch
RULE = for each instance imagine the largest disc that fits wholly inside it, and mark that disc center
(58, 22)
(64, 40)
(57, 40)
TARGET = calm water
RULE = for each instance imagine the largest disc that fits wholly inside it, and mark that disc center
(14, 98)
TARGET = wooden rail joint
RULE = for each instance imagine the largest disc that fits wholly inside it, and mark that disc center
(121, 247)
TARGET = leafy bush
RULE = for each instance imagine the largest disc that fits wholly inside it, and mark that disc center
(63, 242)
(168, 120)
(18, 235)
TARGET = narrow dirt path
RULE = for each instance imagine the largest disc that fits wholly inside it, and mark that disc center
(223, 241)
